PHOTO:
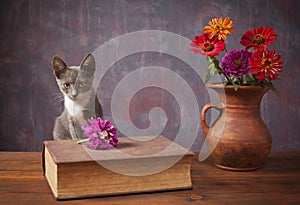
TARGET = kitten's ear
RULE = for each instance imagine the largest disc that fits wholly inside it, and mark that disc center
(88, 64)
(59, 66)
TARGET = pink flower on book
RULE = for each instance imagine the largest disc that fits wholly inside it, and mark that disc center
(101, 134)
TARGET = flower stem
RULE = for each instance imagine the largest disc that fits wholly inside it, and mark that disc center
(225, 49)
(241, 80)
(82, 141)
(227, 79)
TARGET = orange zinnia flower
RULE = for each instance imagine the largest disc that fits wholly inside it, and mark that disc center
(219, 27)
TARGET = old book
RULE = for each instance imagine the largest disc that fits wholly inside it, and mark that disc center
(137, 164)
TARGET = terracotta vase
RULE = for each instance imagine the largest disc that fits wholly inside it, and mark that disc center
(239, 139)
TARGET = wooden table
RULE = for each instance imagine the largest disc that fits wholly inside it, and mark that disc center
(278, 182)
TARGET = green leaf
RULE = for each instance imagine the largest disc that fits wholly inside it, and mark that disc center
(210, 59)
(235, 86)
(217, 67)
(251, 80)
(271, 86)
(234, 82)
(250, 77)
(211, 70)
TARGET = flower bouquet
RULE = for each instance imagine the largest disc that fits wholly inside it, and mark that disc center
(238, 139)
(239, 66)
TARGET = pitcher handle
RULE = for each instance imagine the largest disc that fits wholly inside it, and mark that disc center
(205, 108)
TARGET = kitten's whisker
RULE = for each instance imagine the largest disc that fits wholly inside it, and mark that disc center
(58, 95)
(57, 103)
(57, 99)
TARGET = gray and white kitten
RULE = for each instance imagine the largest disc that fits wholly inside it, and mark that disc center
(80, 99)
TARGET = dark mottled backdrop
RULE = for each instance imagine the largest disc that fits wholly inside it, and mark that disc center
(32, 32)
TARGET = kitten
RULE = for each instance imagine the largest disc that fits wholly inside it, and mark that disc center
(80, 99)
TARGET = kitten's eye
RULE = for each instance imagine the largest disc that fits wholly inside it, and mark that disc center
(81, 85)
(66, 85)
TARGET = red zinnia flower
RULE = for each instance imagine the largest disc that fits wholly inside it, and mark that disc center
(258, 38)
(265, 64)
(208, 47)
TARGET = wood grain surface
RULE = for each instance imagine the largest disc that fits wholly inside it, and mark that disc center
(278, 182)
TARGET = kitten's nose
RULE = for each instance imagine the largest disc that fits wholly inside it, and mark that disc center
(74, 94)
